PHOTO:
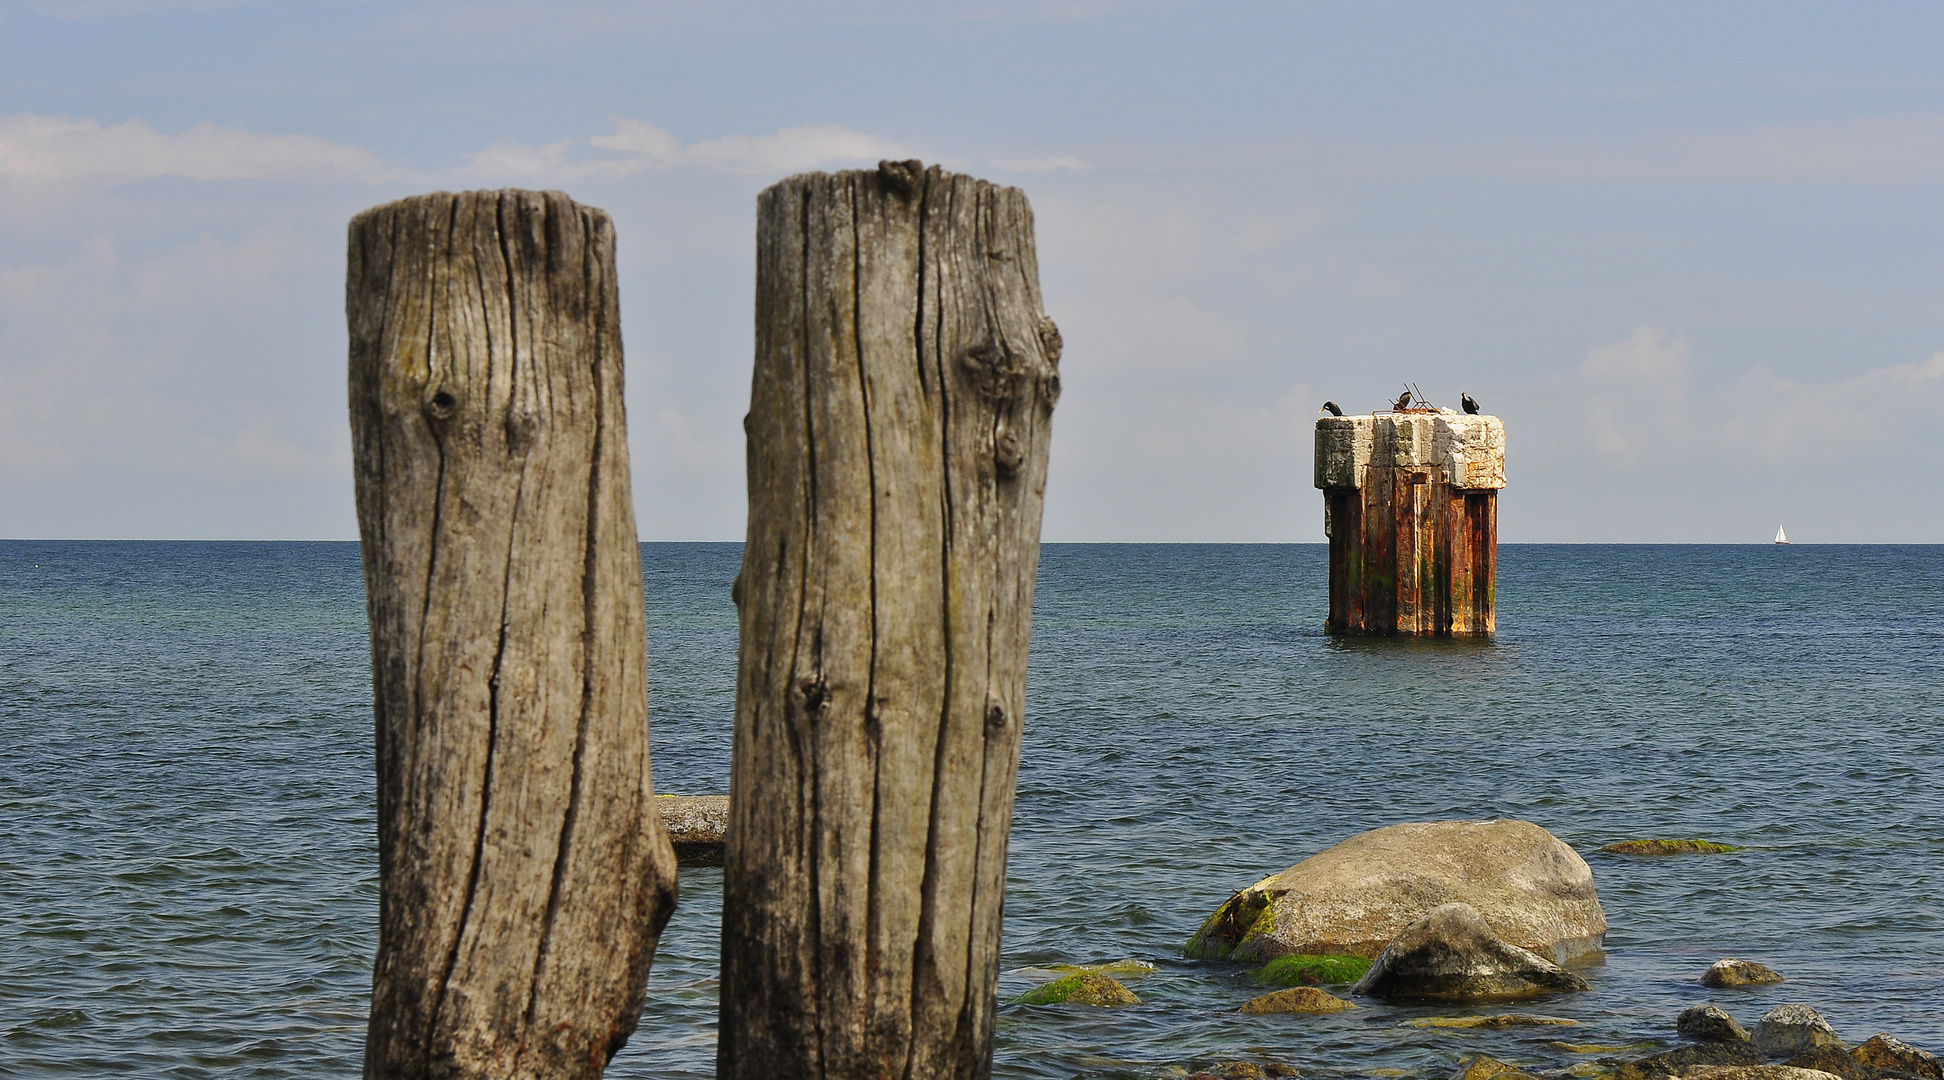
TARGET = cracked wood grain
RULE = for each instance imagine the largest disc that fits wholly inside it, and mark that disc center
(524, 872)
(900, 409)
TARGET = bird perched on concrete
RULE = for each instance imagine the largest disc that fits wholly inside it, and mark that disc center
(1471, 406)
(1403, 401)
(1332, 408)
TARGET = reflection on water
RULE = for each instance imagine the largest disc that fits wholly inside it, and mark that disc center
(185, 780)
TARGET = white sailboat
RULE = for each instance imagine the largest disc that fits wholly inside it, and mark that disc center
(1780, 536)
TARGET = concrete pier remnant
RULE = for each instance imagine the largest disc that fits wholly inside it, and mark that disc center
(1410, 504)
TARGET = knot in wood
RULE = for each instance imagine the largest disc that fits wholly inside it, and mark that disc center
(996, 717)
(442, 404)
(814, 693)
(1007, 454)
(1050, 343)
(995, 370)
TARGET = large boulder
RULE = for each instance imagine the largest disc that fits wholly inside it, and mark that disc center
(1534, 891)
(1788, 1030)
(1451, 954)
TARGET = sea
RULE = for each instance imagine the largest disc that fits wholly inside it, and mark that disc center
(188, 878)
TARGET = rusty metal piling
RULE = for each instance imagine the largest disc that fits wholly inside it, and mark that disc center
(1411, 511)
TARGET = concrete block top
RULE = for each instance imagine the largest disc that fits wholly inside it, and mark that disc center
(1469, 448)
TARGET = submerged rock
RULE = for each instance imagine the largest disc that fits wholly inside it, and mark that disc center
(1485, 1067)
(1676, 1062)
(1451, 954)
(1882, 1051)
(1668, 847)
(1299, 999)
(1243, 1070)
(1710, 1022)
(1731, 972)
(1300, 970)
(1490, 1023)
(1534, 891)
(1080, 988)
(1788, 1030)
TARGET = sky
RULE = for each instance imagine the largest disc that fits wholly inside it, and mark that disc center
(1691, 254)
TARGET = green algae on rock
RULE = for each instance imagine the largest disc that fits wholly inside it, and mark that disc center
(1246, 916)
(1485, 1067)
(1308, 969)
(1120, 969)
(1297, 999)
(1080, 988)
(1668, 847)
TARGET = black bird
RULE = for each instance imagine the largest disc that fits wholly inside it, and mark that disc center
(1403, 402)
(1332, 408)
(1470, 405)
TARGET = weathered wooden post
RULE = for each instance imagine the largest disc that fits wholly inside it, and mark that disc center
(897, 435)
(1411, 511)
(524, 873)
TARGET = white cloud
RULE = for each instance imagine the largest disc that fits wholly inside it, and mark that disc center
(1634, 394)
(1633, 402)
(262, 451)
(1780, 420)
(61, 150)
(635, 147)
(1041, 165)
(1126, 292)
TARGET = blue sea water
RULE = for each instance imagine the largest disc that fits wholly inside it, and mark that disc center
(187, 870)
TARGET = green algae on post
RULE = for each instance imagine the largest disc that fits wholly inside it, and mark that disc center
(1289, 970)
(1668, 847)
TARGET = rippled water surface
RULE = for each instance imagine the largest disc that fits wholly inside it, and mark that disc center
(187, 871)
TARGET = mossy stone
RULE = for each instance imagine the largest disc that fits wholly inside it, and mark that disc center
(1080, 988)
(1311, 970)
(1668, 847)
(1485, 1067)
(1248, 914)
(1298, 999)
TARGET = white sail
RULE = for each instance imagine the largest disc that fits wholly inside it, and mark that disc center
(1780, 536)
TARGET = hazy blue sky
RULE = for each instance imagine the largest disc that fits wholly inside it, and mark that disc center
(1693, 254)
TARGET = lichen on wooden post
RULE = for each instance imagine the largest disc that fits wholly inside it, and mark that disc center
(1411, 511)
(524, 872)
(897, 437)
